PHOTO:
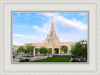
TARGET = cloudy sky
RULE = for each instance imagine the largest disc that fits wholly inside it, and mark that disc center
(30, 27)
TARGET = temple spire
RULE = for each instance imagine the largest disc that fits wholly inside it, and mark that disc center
(52, 19)
(52, 27)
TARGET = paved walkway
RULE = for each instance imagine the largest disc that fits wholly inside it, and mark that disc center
(40, 57)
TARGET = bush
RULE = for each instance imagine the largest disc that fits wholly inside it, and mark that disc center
(64, 48)
(43, 50)
(75, 60)
(25, 60)
(79, 51)
(73, 56)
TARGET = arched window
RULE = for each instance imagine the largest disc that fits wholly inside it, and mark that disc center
(48, 40)
(51, 41)
(51, 34)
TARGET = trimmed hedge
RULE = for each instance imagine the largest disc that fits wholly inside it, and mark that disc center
(25, 60)
(75, 60)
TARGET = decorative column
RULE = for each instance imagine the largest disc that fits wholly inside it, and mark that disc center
(34, 53)
(69, 50)
(52, 50)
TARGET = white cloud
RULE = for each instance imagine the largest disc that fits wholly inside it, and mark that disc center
(72, 36)
(79, 34)
(45, 28)
(66, 22)
(20, 35)
(17, 42)
(19, 39)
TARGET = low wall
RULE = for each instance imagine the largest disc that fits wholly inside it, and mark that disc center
(15, 60)
(61, 55)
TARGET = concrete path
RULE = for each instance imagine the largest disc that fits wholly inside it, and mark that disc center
(40, 57)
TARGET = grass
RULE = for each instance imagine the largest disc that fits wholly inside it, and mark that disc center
(54, 59)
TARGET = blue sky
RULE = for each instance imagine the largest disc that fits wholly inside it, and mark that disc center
(30, 27)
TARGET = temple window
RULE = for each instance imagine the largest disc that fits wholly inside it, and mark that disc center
(48, 40)
(51, 34)
(53, 40)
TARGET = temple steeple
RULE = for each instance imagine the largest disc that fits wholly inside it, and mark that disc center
(52, 26)
(52, 38)
(52, 19)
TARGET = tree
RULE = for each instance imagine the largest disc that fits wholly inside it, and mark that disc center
(14, 48)
(64, 48)
(49, 51)
(20, 49)
(79, 51)
(28, 48)
(43, 50)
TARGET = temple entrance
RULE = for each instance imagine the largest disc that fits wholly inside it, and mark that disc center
(36, 51)
(56, 51)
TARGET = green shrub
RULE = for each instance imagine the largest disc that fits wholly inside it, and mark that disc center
(73, 56)
(25, 60)
(43, 50)
(75, 60)
(64, 48)
(79, 51)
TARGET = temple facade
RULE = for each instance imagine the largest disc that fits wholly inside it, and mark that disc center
(53, 43)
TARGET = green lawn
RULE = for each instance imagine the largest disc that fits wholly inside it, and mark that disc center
(54, 59)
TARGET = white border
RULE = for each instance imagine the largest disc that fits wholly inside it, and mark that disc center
(45, 5)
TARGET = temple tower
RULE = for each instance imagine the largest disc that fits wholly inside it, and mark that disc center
(52, 38)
